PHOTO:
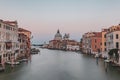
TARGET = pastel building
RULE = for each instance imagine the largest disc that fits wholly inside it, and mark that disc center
(96, 41)
(56, 42)
(63, 43)
(86, 42)
(103, 45)
(72, 45)
(24, 42)
(22, 45)
(91, 42)
(8, 40)
(113, 38)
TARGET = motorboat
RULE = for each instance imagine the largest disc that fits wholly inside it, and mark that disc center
(12, 63)
(1, 69)
(23, 60)
(34, 51)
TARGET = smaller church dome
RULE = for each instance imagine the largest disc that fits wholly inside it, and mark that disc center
(66, 36)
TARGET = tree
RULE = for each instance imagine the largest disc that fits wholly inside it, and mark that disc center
(113, 53)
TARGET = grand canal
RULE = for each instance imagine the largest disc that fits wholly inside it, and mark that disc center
(60, 65)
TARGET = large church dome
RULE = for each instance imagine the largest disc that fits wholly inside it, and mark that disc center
(58, 36)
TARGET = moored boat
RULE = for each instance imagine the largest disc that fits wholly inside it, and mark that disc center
(23, 60)
(1, 69)
(34, 51)
(13, 63)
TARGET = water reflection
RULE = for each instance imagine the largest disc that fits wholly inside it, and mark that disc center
(60, 65)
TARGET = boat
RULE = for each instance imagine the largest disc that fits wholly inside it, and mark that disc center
(23, 60)
(34, 51)
(107, 61)
(1, 69)
(14, 63)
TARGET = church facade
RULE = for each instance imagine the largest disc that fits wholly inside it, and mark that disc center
(63, 43)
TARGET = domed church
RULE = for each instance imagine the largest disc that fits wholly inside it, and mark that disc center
(58, 36)
(63, 44)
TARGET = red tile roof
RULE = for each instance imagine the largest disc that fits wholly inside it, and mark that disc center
(11, 23)
(21, 29)
(97, 34)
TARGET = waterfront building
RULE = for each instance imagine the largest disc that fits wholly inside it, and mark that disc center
(22, 45)
(96, 41)
(72, 45)
(91, 42)
(56, 42)
(63, 43)
(45, 45)
(103, 44)
(24, 42)
(86, 42)
(113, 38)
(8, 40)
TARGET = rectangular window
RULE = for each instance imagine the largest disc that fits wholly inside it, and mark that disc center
(104, 43)
(8, 45)
(95, 41)
(0, 47)
(117, 36)
(0, 25)
(105, 36)
(105, 49)
(111, 37)
(3, 55)
(95, 46)
(8, 27)
(117, 45)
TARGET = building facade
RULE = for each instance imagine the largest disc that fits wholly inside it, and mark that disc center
(103, 45)
(63, 43)
(113, 38)
(8, 40)
(56, 42)
(96, 41)
(24, 42)
(86, 42)
(91, 42)
(72, 45)
(22, 45)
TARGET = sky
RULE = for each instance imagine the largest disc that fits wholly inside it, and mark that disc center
(76, 17)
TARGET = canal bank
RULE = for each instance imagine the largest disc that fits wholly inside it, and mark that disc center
(61, 65)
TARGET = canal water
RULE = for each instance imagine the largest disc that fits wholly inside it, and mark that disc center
(60, 65)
